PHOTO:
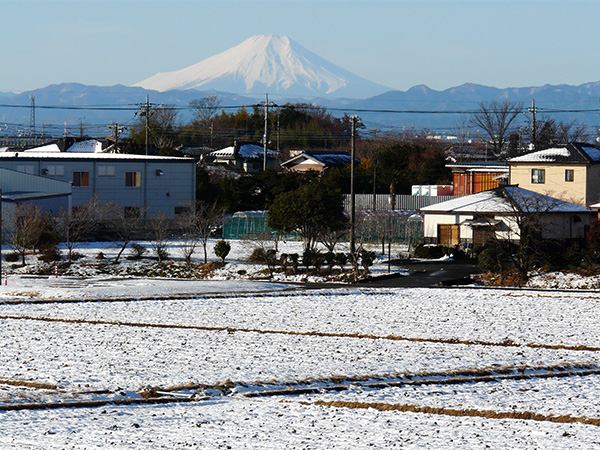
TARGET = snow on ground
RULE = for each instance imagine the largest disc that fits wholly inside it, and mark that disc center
(259, 335)
(264, 424)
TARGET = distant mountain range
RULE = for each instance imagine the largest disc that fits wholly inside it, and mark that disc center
(289, 73)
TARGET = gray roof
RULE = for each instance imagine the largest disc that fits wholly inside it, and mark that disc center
(508, 199)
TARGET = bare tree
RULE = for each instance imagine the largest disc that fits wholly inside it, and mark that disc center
(160, 224)
(550, 133)
(205, 108)
(25, 227)
(495, 118)
(163, 126)
(208, 216)
(77, 225)
(462, 150)
(518, 237)
(123, 225)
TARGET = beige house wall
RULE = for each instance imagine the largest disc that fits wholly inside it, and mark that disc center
(431, 222)
(579, 191)
(554, 225)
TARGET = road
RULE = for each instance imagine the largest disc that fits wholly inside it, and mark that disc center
(426, 274)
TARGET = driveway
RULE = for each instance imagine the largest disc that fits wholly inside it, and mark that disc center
(427, 274)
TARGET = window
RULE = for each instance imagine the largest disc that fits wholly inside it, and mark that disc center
(133, 179)
(81, 179)
(132, 212)
(57, 171)
(569, 175)
(26, 169)
(106, 171)
(181, 210)
(538, 176)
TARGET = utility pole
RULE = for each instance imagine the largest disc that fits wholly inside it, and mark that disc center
(116, 129)
(278, 131)
(352, 199)
(145, 112)
(392, 208)
(1, 226)
(147, 127)
(32, 115)
(532, 110)
(266, 135)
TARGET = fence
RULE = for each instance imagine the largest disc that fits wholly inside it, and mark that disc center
(381, 202)
(371, 226)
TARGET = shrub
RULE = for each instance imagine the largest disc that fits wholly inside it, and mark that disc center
(222, 249)
(12, 257)
(258, 255)
(490, 259)
(137, 251)
(51, 253)
(367, 259)
(341, 259)
(294, 260)
(308, 258)
(429, 251)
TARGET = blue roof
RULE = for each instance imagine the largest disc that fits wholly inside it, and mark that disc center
(592, 152)
(332, 158)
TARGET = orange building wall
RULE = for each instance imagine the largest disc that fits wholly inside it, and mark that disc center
(466, 183)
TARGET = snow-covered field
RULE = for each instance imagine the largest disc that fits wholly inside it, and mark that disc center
(220, 343)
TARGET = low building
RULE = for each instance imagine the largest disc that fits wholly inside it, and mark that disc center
(51, 196)
(318, 161)
(473, 220)
(571, 172)
(245, 157)
(140, 184)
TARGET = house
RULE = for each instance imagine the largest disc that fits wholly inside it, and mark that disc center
(246, 157)
(148, 184)
(477, 176)
(571, 172)
(475, 219)
(317, 160)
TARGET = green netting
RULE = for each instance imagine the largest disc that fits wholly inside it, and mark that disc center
(403, 227)
(250, 225)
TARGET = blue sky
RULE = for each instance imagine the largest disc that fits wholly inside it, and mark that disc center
(398, 43)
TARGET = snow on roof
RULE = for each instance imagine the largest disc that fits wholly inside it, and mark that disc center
(245, 151)
(89, 146)
(108, 156)
(548, 155)
(50, 148)
(495, 201)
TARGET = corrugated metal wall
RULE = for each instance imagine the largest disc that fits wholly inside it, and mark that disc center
(382, 201)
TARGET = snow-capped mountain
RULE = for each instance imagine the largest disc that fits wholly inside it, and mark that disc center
(267, 64)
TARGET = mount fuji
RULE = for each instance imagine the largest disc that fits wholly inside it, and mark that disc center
(267, 64)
